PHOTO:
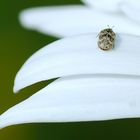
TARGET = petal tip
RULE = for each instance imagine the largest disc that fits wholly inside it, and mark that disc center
(2, 123)
(15, 88)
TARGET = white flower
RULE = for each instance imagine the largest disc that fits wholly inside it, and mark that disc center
(80, 55)
(94, 84)
(62, 21)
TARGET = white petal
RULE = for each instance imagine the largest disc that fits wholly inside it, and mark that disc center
(104, 5)
(81, 98)
(132, 10)
(70, 20)
(80, 55)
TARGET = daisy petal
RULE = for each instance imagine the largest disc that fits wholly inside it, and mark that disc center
(81, 98)
(80, 55)
(104, 5)
(132, 10)
(64, 21)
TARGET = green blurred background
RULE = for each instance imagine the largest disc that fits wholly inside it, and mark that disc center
(16, 45)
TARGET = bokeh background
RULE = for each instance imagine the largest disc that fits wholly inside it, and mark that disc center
(16, 45)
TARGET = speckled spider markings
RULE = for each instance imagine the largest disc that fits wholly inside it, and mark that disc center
(106, 39)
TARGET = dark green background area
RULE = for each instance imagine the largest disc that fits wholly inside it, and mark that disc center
(16, 45)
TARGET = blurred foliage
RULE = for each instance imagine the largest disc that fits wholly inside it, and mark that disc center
(16, 45)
